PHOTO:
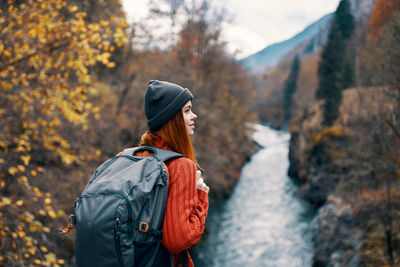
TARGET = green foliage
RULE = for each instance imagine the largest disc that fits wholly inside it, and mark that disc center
(344, 19)
(290, 87)
(335, 70)
(329, 74)
(347, 76)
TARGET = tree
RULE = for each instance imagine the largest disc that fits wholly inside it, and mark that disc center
(335, 71)
(290, 87)
(47, 54)
(344, 19)
(383, 10)
(388, 50)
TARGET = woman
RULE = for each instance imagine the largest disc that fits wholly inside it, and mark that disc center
(170, 120)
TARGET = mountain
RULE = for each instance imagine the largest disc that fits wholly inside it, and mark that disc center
(308, 41)
(311, 38)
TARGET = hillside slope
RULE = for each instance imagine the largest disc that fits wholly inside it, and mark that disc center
(314, 36)
(309, 40)
(351, 172)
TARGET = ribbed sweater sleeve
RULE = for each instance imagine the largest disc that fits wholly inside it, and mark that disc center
(187, 207)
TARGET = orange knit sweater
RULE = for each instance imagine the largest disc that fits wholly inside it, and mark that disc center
(187, 206)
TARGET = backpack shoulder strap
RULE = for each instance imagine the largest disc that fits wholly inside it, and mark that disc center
(164, 154)
(161, 154)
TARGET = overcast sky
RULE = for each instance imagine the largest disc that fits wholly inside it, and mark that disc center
(256, 23)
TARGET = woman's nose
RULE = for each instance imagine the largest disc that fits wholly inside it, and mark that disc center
(194, 116)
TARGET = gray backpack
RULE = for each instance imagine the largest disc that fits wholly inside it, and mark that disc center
(120, 214)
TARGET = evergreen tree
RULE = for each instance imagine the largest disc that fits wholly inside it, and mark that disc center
(335, 71)
(348, 76)
(290, 87)
(345, 19)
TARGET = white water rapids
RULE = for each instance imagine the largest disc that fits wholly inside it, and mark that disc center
(264, 222)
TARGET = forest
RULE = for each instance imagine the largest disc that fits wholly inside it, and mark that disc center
(73, 76)
(345, 146)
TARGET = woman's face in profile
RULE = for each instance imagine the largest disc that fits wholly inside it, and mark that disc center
(189, 117)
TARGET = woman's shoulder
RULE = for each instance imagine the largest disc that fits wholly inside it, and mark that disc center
(179, 163)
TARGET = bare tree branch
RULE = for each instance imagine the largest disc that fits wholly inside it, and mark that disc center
(393, 128)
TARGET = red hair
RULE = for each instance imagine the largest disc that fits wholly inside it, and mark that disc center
(175, 135)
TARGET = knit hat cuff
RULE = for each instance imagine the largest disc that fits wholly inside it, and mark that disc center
(170, 111)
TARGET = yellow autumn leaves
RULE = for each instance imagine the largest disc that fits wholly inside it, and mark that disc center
(48, 54)
(60, 52)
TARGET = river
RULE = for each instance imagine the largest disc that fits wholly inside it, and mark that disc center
(264, 222)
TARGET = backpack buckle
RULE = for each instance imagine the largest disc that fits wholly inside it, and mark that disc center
(143, 227)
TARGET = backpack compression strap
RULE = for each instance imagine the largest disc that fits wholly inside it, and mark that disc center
(161, 154)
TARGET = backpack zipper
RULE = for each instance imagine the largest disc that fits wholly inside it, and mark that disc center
(145, 206)
(148, 204)
(117, 241)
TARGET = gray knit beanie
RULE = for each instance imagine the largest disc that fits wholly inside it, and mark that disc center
(162, 101)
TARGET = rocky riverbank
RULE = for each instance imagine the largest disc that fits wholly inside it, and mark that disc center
(350, 171)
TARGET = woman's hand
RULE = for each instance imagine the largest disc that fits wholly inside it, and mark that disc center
(200, 184)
